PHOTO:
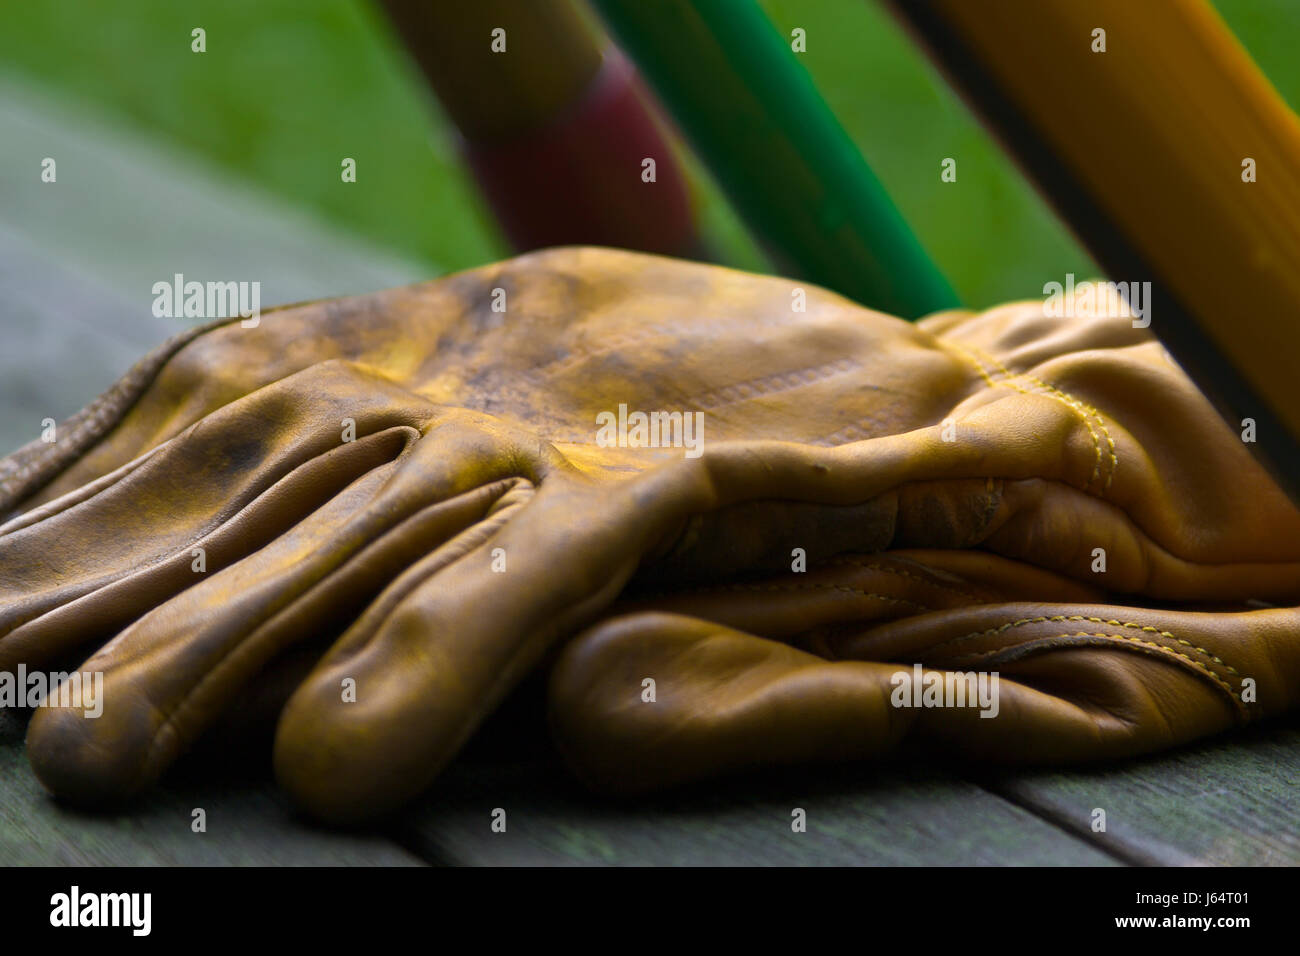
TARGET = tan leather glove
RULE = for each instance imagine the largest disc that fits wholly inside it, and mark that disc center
(474, 522)
(819, 667)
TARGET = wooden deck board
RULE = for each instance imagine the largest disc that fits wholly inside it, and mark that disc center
(247, 823)
(856, 815)
(1231, 801)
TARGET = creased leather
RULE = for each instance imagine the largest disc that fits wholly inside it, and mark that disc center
(949, 483)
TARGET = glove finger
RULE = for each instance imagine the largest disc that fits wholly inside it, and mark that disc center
(433, 656)
(725, 701)
(169, 675)
(851, 589)
(84, 566)
(441, 657)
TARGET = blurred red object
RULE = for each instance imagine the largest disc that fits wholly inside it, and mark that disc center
(556, 129)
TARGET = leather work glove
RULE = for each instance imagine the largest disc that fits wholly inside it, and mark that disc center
(417, 487)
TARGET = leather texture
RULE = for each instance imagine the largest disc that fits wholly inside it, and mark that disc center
(408, 488)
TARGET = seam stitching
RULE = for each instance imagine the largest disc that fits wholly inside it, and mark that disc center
(1134, 639)
(1076, 402)
(1061, 618)
(1008, 381)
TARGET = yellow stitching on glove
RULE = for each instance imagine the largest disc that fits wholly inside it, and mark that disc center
(1076, 402)
(967, 353)
(1147, 628)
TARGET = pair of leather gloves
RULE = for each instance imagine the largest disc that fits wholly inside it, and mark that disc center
(412, 488)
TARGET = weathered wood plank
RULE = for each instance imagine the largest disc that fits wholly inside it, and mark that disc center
(247, 823)
(1231, 801)
(855, 816)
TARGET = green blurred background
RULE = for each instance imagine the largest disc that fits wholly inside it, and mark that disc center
(286, 87)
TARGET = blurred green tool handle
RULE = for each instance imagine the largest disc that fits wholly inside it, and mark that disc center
(734, 86)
